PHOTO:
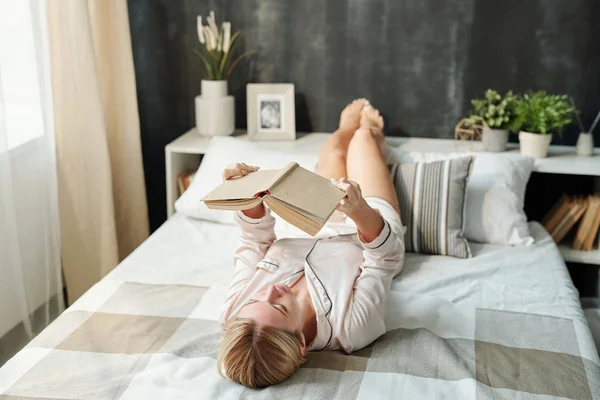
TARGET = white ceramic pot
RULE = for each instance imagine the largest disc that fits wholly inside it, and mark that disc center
(214, 89)
(585, 144)
(494, 139)
(215, 110)
(534, 144)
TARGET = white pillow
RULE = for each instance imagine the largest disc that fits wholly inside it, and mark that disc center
(495, 194)
(223, 151)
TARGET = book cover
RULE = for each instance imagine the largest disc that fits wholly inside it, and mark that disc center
(299, 196)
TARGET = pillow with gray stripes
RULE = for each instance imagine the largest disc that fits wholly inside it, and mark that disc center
(432, 205)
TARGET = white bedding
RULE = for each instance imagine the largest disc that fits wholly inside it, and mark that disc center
(449, 298)
(187, 251)
(530, 279)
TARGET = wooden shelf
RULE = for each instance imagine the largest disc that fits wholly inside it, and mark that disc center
(583, 257)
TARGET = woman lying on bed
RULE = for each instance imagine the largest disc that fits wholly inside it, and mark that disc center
(291, 296)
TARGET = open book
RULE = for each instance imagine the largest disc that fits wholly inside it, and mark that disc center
(299, 196)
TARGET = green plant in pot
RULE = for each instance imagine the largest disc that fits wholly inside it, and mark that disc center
(498, 113)
(538, 116)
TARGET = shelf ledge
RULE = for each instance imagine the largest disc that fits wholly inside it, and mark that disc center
(583, 257)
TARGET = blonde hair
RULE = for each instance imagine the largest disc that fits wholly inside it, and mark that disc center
(257, 356)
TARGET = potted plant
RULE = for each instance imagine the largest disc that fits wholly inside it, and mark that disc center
(538, 116)
(498, 113)
(215, 113)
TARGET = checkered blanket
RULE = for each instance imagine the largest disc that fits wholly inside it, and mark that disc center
(150, 340)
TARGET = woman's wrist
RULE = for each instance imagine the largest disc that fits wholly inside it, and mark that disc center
(255, 212)
(368, 221)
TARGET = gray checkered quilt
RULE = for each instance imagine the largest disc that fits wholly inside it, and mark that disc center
(505, 324)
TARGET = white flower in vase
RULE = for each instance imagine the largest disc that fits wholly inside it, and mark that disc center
(211, 39)
(212, 24)
(217, 54)
(200, 28)
(226, 36)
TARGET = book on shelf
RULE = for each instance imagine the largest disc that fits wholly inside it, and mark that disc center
(556, 214)
(562, 218)
(575, 211)
(576, 207)
(184, 181)
(589, 226)
(598, 244)
(595, 231)
(301, 197)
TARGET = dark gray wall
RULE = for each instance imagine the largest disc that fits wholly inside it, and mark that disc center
(419, 61)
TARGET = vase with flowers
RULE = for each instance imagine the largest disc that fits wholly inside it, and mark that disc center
(215, 109)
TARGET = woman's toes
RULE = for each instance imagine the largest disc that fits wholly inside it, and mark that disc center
(370, 118)
(350, 116)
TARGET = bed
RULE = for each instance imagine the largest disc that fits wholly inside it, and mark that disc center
(506, 323)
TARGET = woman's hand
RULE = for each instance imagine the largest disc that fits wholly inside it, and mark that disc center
(237, 171)
(353, 201)
(368, 220)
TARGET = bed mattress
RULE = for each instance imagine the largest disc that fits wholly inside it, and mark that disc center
(506, 323)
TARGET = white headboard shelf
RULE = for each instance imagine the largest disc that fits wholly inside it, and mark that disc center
(185, 153)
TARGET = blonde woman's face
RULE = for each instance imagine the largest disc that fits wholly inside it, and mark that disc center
(275, 306)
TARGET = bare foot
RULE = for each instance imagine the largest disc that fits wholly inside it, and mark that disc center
(372, 120)
(351, 115)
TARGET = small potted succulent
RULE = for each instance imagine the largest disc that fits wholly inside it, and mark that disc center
(538, 116)
(498, 113)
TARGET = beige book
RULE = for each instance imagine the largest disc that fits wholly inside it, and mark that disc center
(556, 214)
(585, 226)
(299, 196)
(598, 244)
(184, 181)
(576, 207)
(181, 184)
(187, 179)
(595, 228)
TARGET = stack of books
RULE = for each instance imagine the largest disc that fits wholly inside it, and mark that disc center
(567, 213)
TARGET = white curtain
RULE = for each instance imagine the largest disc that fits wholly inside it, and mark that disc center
(30, 274)
(102, 193)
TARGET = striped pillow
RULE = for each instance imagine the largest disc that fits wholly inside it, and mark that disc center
(432, 205)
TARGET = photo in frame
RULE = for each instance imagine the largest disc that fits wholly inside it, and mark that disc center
(271, 111)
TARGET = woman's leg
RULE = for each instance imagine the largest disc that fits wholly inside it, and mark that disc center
(332, 157)
(364, 161)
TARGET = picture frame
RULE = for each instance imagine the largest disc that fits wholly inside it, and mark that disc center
(271, 111)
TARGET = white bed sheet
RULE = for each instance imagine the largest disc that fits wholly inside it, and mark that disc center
(532, 279)
(188, 251)
(462, 301)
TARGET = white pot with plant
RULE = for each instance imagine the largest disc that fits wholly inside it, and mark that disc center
(215, 110)
(498, 113)
(538, 116)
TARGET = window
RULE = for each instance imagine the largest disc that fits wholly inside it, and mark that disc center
(20, 101)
